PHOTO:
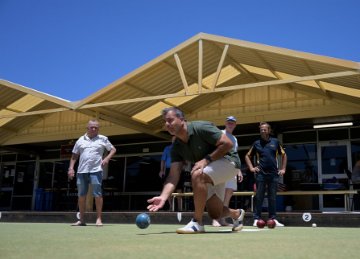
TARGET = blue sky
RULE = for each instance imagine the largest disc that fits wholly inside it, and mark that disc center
(73, 48)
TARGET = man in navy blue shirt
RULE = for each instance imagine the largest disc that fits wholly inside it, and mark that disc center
(265, 168)
(165, 164)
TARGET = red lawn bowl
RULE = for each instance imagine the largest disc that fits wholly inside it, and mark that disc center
(260, 223)
(271, 223)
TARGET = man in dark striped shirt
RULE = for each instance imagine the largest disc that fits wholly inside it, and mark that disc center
(266, 170)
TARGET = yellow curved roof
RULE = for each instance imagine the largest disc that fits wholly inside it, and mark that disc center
(207, 76)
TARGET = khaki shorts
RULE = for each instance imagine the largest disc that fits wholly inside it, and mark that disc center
(220, 171)
(231, 184)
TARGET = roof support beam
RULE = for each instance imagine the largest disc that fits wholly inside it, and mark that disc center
(200, 71)
(123, 121)
(20, 114)
(189, 76)
(287, 81)
(221, 63)
(317, 81)
(236, 65)
(182, 74)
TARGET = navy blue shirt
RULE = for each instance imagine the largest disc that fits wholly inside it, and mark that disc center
(266, 154)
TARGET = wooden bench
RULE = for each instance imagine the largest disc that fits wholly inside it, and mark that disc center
(346, 194)
(130, 195)
(190, 194)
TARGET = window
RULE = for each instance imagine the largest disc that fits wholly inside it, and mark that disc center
(301, 165)
(142, 173)
(333, 134)
(296, 137)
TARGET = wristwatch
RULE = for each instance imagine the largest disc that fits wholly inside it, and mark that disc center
(208, 158)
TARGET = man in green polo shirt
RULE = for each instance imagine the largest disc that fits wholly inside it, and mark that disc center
(214, 162)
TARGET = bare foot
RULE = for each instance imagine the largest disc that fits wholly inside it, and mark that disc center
(99, 223)
(78, 224)
(215, 223)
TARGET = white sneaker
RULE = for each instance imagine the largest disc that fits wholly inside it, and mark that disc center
(278, 224)
(238, 223)
(255, 223)
(191, 228)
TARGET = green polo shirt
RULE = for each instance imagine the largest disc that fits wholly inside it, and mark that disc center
(203, 136)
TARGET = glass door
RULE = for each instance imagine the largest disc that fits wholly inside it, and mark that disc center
(7, 176)
(23, 186)
(333, 158)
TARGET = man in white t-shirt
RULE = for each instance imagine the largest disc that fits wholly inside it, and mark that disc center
(90, 148)
(230, 185)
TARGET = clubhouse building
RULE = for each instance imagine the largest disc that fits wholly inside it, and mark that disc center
(312, 103)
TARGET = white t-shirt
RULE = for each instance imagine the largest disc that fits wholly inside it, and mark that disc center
(233, 139)
(232, 184)
(91, 152)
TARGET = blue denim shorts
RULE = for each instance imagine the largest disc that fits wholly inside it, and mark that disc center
(83, 180)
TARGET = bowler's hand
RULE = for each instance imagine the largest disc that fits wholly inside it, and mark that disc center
(105, 162)
(240, 176)
(156, 203)
(161, 174)
(71, 174)
(281, 172)
(255, 170)
(199, 166)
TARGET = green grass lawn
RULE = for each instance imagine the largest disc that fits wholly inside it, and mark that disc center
(39, 240)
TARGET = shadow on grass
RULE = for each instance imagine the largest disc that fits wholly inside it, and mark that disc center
(92, 225)
(207, 232)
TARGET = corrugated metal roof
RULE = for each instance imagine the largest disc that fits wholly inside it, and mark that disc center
(207, 76)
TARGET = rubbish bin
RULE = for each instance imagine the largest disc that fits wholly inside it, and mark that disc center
(280, 205)
(48, 200)
(39, 199)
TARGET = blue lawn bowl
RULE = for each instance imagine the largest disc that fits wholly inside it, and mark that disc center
(142, 220)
